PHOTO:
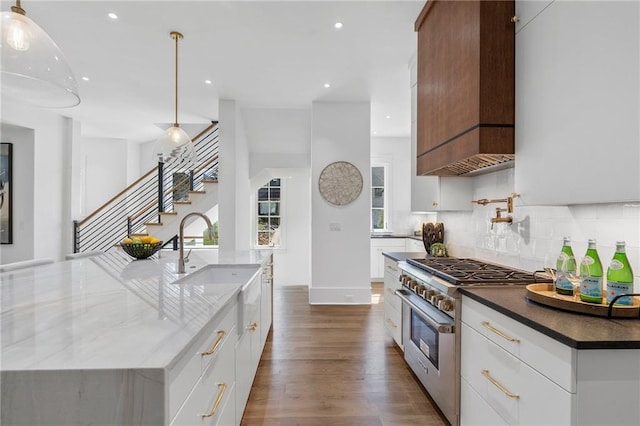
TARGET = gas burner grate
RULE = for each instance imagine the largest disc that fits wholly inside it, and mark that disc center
(473, 272)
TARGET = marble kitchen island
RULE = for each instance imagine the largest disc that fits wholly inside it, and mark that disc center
(111, 340)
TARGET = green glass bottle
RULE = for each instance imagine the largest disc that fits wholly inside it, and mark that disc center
(591, 275)
(620, 276)
(566, 263)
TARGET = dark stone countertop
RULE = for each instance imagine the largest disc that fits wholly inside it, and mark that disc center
(574, 330)
(404, 255)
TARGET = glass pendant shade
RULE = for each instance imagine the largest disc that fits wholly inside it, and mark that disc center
(175, 146)
(34, 69)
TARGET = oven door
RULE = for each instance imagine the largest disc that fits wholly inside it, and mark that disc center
(429, 349)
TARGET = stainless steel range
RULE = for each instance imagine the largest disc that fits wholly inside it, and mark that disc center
(431, 319)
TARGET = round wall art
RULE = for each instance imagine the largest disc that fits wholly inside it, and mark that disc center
(340, 183)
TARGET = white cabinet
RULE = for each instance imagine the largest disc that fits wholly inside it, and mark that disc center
(266, 304)
(379, 245)
(512, 374)
(392, 303)
(205, 382)
(249, 345)
(432, 194)
(412, 245)
(527, 10)
(577, 103)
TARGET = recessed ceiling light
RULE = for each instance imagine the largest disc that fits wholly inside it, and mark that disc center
(112, 15)
(327, 85)
(387, 117)
(85, 78)
(337, 25)
(207, 81)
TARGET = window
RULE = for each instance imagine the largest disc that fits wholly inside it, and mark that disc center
(378, 198)
(269, 214)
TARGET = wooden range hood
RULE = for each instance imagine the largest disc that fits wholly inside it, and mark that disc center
(466, 85)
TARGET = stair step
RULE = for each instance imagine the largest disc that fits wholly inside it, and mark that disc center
(197, 192)
(138, 235)
(209, 180)
(168, 213)
(153, 224)
(181, 202)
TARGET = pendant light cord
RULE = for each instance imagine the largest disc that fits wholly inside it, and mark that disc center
(176, 36)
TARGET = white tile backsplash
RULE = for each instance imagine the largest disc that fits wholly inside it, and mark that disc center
(537, 231)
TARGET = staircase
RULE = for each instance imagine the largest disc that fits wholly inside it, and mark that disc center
(156, 202)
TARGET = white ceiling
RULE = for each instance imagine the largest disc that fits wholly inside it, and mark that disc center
(259, 53)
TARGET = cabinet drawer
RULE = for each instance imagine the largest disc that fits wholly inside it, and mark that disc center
(391, 268)
(476, 411)
(509, 386)
(544, 354)
(196, 362)
(213, 393)
(393, 323)
(391, 284)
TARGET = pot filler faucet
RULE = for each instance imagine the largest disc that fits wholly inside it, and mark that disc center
(499, 218)
(181, 260)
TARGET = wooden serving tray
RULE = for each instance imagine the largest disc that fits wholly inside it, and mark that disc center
(546, 295)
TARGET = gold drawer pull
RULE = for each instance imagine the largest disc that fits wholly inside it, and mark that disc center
(253, 326)
(391, 323)
(499, 333)
(221, 334)
(222, 387)
(497, 384)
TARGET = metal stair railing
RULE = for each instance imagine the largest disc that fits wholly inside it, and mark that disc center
(142, 201)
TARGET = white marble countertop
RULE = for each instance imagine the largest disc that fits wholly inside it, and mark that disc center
(109, 311)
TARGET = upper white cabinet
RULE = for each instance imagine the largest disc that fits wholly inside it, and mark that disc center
(526, 11)
(577, 102)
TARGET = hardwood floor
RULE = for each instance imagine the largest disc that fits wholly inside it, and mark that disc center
(334, 365)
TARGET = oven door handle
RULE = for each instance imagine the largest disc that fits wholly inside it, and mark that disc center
(440, 327)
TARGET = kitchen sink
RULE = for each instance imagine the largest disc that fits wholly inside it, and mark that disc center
(221, 274)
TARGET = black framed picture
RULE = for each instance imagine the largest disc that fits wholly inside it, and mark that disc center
(6, 181)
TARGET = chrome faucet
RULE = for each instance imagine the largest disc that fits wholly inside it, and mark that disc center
(181, 260)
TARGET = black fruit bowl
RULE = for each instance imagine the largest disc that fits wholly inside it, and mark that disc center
(141, 250)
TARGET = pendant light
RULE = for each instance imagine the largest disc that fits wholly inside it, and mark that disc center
(175, 145)
(33, 68)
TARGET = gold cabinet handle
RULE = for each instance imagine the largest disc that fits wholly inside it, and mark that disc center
(215, 345)
(222, 387)
(497, 384)
(515, 19)
(391, 323)
(487, 325)
(434, 204)
(253, 326)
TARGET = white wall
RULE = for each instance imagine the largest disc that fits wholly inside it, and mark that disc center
(22, 189)
(234, 190)
(396, 154)
(53, 144)
(293, 257)
(537, 231)
(279, 144)
(340, 259)
(105, 169)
